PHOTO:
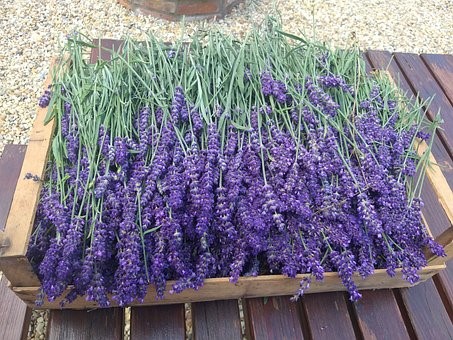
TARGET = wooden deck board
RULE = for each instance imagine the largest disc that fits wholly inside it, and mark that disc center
(273, 318)
(427, 312)
(328, 316)
(444, 285)
(104, 48)
(425, 85)
(10, 165)
(379, 317)
(14, 314)
(158, 323)
(441, 65)
(101, 324)
(216, 320)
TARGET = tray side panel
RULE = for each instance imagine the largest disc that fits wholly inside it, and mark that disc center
(246, 287)
(19, 224)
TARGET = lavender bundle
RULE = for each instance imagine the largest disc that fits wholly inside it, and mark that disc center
(224, 158)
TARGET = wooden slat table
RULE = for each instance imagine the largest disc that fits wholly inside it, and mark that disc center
(422, 312)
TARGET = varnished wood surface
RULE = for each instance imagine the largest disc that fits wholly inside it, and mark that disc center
(14, 314)
(10, 165)
(101, 324)
(216, 319)
(379, 317)
(273, 318)
(158, 323)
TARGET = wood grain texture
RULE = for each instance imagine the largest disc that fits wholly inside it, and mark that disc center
(19, 271)
(100, 324)
(443, 160)
(272, 318)
(433, 214)
(425, 85)
(379, 317)
(14, 314)
(444, 285)
(427, 312)
(328, 316)
(441, 65)
(216, 320)
(383, 60)
(158, 323)
(265, 285)
(10, 165)
(440, 185)
(22, 212)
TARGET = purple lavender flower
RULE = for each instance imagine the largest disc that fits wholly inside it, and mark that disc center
(179, 110)
(335, 81)
(171, 54)
(346, 266)
(44, 100)
(267, 83)
(321, 99)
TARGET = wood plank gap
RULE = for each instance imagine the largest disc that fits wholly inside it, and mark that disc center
(304, 320)
(354, 318)
(440, 286)
(26, 324)
(436, 78)
(440, 133)
(405, 315)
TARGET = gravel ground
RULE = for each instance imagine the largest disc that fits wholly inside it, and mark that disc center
(33, 32)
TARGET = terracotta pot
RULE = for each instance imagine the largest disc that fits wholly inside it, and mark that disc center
(177, 9)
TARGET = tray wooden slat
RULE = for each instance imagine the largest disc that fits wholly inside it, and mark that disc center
(443, 159)
(23, 208)
(216, 320)
(265, 285)
(101, 324)
(158, 323)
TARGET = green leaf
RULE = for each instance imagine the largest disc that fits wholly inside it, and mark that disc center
(56, 152)
(151, 230)
(86, 44)
(240, 127)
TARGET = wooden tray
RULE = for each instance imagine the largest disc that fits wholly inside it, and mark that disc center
(24, 282)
